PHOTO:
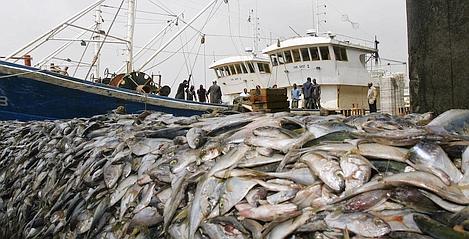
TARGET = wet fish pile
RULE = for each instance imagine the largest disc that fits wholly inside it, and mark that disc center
(236, 176)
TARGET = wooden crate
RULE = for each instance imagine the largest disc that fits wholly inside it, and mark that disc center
(271, 105)
(268, 95)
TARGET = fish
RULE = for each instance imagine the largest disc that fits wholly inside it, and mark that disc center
(251, 175)
(356, 170)
(196, 137)
(236, 189)
(267, 213)
(430, 157)
(361, 223)
(327, 170)
(453, 121)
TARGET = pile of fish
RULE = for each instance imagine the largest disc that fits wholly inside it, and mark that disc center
(248, 175)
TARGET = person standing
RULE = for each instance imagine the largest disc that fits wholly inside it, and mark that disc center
(307, 92)
(191, 93)
(215, 93)
(295, 96)
(180, 94)
(202, 94)
(316, 95)
(372, 95)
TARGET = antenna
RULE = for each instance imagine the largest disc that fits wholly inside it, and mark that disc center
(254, 20)
(319, 10)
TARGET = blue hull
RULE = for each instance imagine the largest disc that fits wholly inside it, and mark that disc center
(31, 94)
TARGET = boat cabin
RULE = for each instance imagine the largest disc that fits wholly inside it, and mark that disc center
(339, 66)
(234, 74)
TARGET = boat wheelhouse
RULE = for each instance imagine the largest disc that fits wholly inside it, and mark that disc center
(234, 74)
(339, 66)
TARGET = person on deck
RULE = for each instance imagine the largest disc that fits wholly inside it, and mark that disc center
(180, 94)
(307, 92)
(295, 96)
(245, 93)
(191, 93)
(372, 95)
(215, 93)
(202, 94)
(316, 95)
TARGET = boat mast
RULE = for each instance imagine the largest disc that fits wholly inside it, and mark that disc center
(130, 34)
(97, 38)
(316, 15)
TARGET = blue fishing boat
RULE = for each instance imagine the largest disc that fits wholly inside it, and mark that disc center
(42, 93)
(28, 93)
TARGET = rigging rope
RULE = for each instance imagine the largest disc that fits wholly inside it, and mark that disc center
(95, 59)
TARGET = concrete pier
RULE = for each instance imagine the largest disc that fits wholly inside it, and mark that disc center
(438, 54)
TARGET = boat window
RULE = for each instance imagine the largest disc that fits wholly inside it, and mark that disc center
(325, 53)
(281, 60)
(314, 53)
(245, 71)
(288, 57)
(218, 72)
(267, 68)
(232, 69)
(305, 54)
(340, 53)
(251, 67)
(227, 70)
(263, 68)
(343, 52)
(273, 58)
(296, 55)
(238, 69)
(223, 72)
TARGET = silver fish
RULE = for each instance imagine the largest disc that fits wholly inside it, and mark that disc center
(327, 170)
(431, 158)
(357, 170)
(196, 137)
(361, 223)
(267, 212)
(235, 190)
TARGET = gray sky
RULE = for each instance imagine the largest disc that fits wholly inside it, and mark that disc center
(23, 20)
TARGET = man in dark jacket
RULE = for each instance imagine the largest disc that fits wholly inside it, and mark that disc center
(202, 94)
(316, 95)
(215, 93)
(180, 94)
(308, 94)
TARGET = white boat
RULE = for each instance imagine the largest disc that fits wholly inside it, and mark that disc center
(234, 74)
(339, 66)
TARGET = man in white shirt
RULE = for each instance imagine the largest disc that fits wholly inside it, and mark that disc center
(372, 95)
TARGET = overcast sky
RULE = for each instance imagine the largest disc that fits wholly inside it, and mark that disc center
(23, 20)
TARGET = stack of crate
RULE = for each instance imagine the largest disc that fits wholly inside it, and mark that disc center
(392, 94)
(269, 100)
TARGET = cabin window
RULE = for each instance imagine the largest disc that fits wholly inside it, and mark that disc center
(251, 67)
(325, 53)
(340, 53)
(305, 54)
(238, 69)
(243, 67)
(296, 55)
(233, 70)
(288, 57)
(219, 72)
(314, 53)
(263, 68)
(227, 71)
(267, 68)
(281, 59)
(273, 58)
